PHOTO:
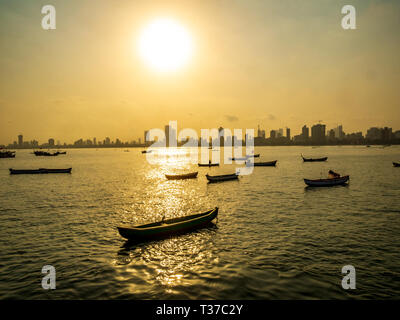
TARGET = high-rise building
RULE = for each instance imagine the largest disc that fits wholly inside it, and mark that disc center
(318, 133)
(94, 141)
(51, 142)
(305, 132)
(272, 134)
(20, 140)
(288, 133)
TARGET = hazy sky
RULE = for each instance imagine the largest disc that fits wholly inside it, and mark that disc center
(273, 63)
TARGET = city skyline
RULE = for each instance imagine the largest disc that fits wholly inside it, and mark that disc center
(316, 134)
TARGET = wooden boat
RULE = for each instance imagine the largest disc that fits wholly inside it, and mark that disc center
(396, 164)
(7, 154)
(208, 164)
(327, 182)
(39, 171)
(314, 159)
(168, 227)
(191, 175)
(238, 159)
(147, 151)
(263, 164)
(45, 154)
(224, 177)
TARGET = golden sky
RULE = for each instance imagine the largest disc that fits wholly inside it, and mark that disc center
(275, 64)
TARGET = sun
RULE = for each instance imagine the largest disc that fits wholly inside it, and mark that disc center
(165, 45)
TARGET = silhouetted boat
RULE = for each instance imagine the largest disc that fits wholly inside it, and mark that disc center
(7, 154)
(168, 227)
(147, 151)
(224, 177)
(208, 164)
(327, 182)
(45, 154)
(314, 159)
(396, 164)
(39, 171)
(253, 156)
(264, 164)
(181, 176)
(238, 158)
(61, 152)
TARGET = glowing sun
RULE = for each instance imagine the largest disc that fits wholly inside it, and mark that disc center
(165, 45)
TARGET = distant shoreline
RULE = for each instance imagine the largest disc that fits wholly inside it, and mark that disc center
(143, 146)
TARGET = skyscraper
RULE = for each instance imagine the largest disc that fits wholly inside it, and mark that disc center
(305, 132)
(288, 133)
(318, 133)
(20, 140)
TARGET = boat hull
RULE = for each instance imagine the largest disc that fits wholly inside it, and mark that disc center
(39, 171)
(168, 227)
(327, 182)
(191, 175)
(396, 164)
(315, 160)
(265, 164)
(222, 178)
(208, 164)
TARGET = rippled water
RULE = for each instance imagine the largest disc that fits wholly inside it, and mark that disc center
(274, 238)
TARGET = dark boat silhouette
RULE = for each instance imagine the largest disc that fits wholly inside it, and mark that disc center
(314, 159)
(147, 151)
(208, 164)
(327, 182)
(396, 164)
(167, 228)
(7, 154)
(263, 164)
(190, 175)
(224, 177)
(39, 171)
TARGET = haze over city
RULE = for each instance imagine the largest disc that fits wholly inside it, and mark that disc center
(276, 64)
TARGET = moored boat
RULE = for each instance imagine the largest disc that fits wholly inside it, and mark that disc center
(7, 154)
(147, 151)
(224, 177)
(46, 154)
(396, 164)
(39, 171)
(168, 227)
(190, 175)
(327, 182)
(314, 159)
(253, 156)
(263, 164)
(208, 164)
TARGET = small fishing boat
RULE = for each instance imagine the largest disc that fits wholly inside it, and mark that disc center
(238, 159)
(314, 159)
(191, 175)
(168, 227)
(147, 151)
(253, 156)
(396, 164)
(7, 154)
(208, 164)
(263, 164)
(39, 171)
(224, 177)
(327, 182)
(45, 154)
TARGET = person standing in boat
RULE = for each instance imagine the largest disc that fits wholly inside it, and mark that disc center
(333, 175)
